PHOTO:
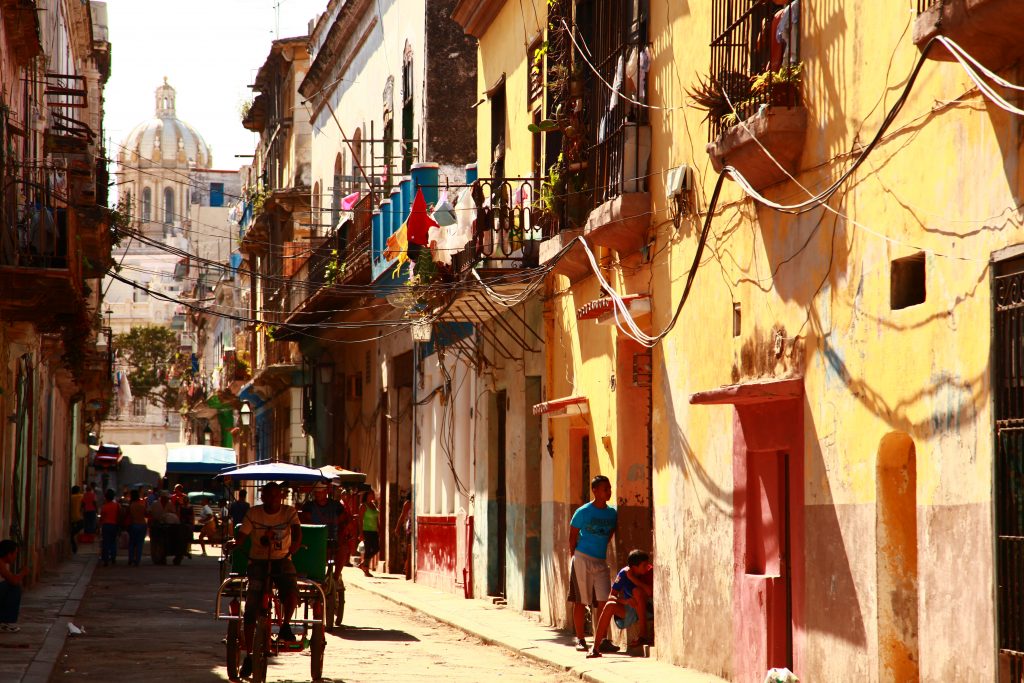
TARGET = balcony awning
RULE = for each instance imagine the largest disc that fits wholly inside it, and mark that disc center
(602, 309)
(563, 407)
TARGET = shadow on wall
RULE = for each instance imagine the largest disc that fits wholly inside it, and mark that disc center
(832, 599)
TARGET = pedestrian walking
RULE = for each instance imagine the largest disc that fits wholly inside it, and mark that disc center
(75, 515)
(10, 587)
(110, 514)
(322, 509)
(90, 508)
(591, 528)
(136, 529)
(208, 520)
(238, 508)
(369, 534)
(403, 531)
(162, 516)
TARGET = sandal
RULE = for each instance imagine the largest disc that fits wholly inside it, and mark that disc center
(593, 654)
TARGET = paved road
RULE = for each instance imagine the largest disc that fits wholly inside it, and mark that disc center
(155, 624)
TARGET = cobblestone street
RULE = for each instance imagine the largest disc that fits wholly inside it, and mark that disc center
(154, 623)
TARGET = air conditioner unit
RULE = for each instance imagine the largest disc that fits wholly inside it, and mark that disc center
(678, 180)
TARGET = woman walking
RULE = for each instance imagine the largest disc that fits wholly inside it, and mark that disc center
(370, 515)
(109, 517)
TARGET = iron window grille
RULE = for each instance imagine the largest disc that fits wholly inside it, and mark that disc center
(750, 37)
(616, 38)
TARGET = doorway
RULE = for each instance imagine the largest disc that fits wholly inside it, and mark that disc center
(497, 521)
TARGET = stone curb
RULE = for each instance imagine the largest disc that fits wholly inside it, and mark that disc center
(41, 668)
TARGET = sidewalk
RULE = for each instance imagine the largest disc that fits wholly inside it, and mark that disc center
(514, 631)
(46, 608)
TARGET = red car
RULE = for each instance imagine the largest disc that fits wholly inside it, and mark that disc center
(108, 456)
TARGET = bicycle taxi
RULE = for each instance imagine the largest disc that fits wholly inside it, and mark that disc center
(319, 597)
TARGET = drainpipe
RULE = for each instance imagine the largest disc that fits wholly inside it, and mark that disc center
(415, 464)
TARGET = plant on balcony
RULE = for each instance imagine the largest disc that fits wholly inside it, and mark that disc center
(334, 271)
(256, 195)
(242, 371)
(731, 96)
(564, 192)
(244, 108)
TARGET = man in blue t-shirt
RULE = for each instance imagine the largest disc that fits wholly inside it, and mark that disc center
(592, 526)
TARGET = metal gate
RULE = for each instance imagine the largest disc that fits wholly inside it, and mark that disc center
(1008, 386)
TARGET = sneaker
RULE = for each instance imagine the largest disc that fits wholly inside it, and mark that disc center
(607, 647)
(581, 645)
(285, 633)
(9, 628)
(246, 669)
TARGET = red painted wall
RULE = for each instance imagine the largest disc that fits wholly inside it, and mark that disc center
(767, 435)
(436, 552)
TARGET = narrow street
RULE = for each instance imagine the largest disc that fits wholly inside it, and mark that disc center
(154, 623)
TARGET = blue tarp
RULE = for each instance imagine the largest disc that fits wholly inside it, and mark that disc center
(199, 459)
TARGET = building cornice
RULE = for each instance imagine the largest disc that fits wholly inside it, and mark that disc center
(475, 16)
(343, 28)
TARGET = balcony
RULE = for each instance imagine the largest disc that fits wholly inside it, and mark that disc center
(753, 94)
(40, 269)
(600, 183)
(506, 229)
(504, 237)
(323, 285)
(988, 29)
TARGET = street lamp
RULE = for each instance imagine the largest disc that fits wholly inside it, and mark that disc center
(245, 414)
(326, 372)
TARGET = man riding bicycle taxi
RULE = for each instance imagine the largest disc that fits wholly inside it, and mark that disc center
(277, 535)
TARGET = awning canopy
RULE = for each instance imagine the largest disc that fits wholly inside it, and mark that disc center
(199, 459)
(603, 310)
(563, 407)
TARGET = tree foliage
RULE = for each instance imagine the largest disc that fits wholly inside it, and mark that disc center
(150, 351)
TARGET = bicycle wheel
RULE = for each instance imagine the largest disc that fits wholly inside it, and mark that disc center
(234, 650)
(317, 647)
(261, 650)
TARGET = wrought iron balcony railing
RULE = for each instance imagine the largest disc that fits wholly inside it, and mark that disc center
(33, 233)
(507, 227)
(752, 38)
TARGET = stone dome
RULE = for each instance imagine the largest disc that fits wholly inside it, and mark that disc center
(165, 140)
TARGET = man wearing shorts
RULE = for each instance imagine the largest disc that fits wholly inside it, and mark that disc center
(323, 509)
(592, 526)
(276, 536)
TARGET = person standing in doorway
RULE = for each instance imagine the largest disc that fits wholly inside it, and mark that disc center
(369, 534)
(110, 515)
(591, 528)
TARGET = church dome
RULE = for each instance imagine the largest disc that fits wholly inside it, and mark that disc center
(165, 140)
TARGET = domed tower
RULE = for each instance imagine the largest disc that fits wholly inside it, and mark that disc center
(154, 163)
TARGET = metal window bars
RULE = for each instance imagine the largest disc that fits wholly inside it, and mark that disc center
(617, 41)
(749, 38)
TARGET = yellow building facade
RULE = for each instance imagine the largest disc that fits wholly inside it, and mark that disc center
(830, 417)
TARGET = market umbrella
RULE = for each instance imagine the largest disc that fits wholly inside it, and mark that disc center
(276, 471)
